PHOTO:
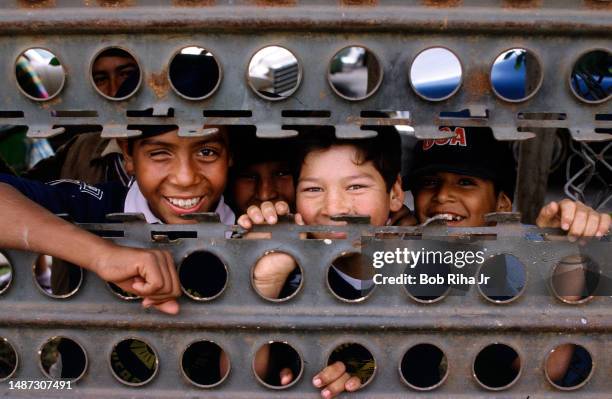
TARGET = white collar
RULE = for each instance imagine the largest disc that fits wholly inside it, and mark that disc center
(135, 202)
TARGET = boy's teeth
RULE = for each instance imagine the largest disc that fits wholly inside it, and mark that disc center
(184, 203)
(448, 216)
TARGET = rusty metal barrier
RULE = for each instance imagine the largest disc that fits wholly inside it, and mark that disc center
(390, 322)
(314, 321)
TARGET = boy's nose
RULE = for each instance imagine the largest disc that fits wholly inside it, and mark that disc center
(336, 204)
(266, 189)
(113, 86)
(443, 194)
(185, 174)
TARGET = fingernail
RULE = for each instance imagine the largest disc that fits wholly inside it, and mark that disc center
(565, 226)
(316, 381)
(326, 393)
(271, 219)
(351, 385)
(599, 234)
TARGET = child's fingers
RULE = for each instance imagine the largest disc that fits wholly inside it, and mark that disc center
(579, 224)
(170, 306)
(604, 225)
(282, 208)
(329, 374)
(336, 387)
(592, 224)
(353, 384)
(176, 285)
(299, 219)
(568, 213)
(255, 214)
(286, 376)
(244, 221)
(548, 216)
(268, 210)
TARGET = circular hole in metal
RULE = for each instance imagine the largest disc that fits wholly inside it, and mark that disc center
(436, 74)
(350, 277)
(424, 367)
(277, 276)
(115, 73)
(357, 359)
(568, 367)
(8, 359)
(40, 74)
(55, 277)
(502, 278)
(121, 293)
(6, 273)
(133, 362)
(355, 73)
(497, 367)
(575, 279)
(274, 73)
(203, 276)
(205, 364)
(516, 75)
(278, 365)
(194, 73)
(63, 358)
(591, 78)
(426, 286)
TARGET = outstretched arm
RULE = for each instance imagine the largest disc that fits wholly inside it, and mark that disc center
(148, 273)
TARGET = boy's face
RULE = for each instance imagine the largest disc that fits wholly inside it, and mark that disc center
(110, 72)
(179, 175)
(333, 182)
(264, 181)
(466, 198)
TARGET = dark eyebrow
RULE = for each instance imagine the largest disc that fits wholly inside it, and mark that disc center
(152, 141)
(127, 65)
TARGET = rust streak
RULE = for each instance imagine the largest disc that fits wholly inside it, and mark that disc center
(442, 3)
(116, 3)
(522, 4)
(476, 84)
(193, 3)
(158, 82)
(275, 3)
(598, 4)
(367, 3)
(37, 3)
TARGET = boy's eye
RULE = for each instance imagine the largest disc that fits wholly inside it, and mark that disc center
(159, 154)
(127, 71)
(466, 181)
(312, 189)
(282, 173)
(208, 154)
(99, 79)
(428, 182)
(248, 176)
(354, 187)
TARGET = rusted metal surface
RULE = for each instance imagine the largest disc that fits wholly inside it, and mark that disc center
(395, 51)
(314, 321)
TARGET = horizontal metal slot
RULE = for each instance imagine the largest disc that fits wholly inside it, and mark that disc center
(227, 113)
(11, 114)
(543, 116)
(296, 113)
(74, 114)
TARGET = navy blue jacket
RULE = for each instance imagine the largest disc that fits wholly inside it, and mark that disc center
(83, 202)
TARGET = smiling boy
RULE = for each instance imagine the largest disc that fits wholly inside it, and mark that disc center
(173, 176)
(361, 177)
